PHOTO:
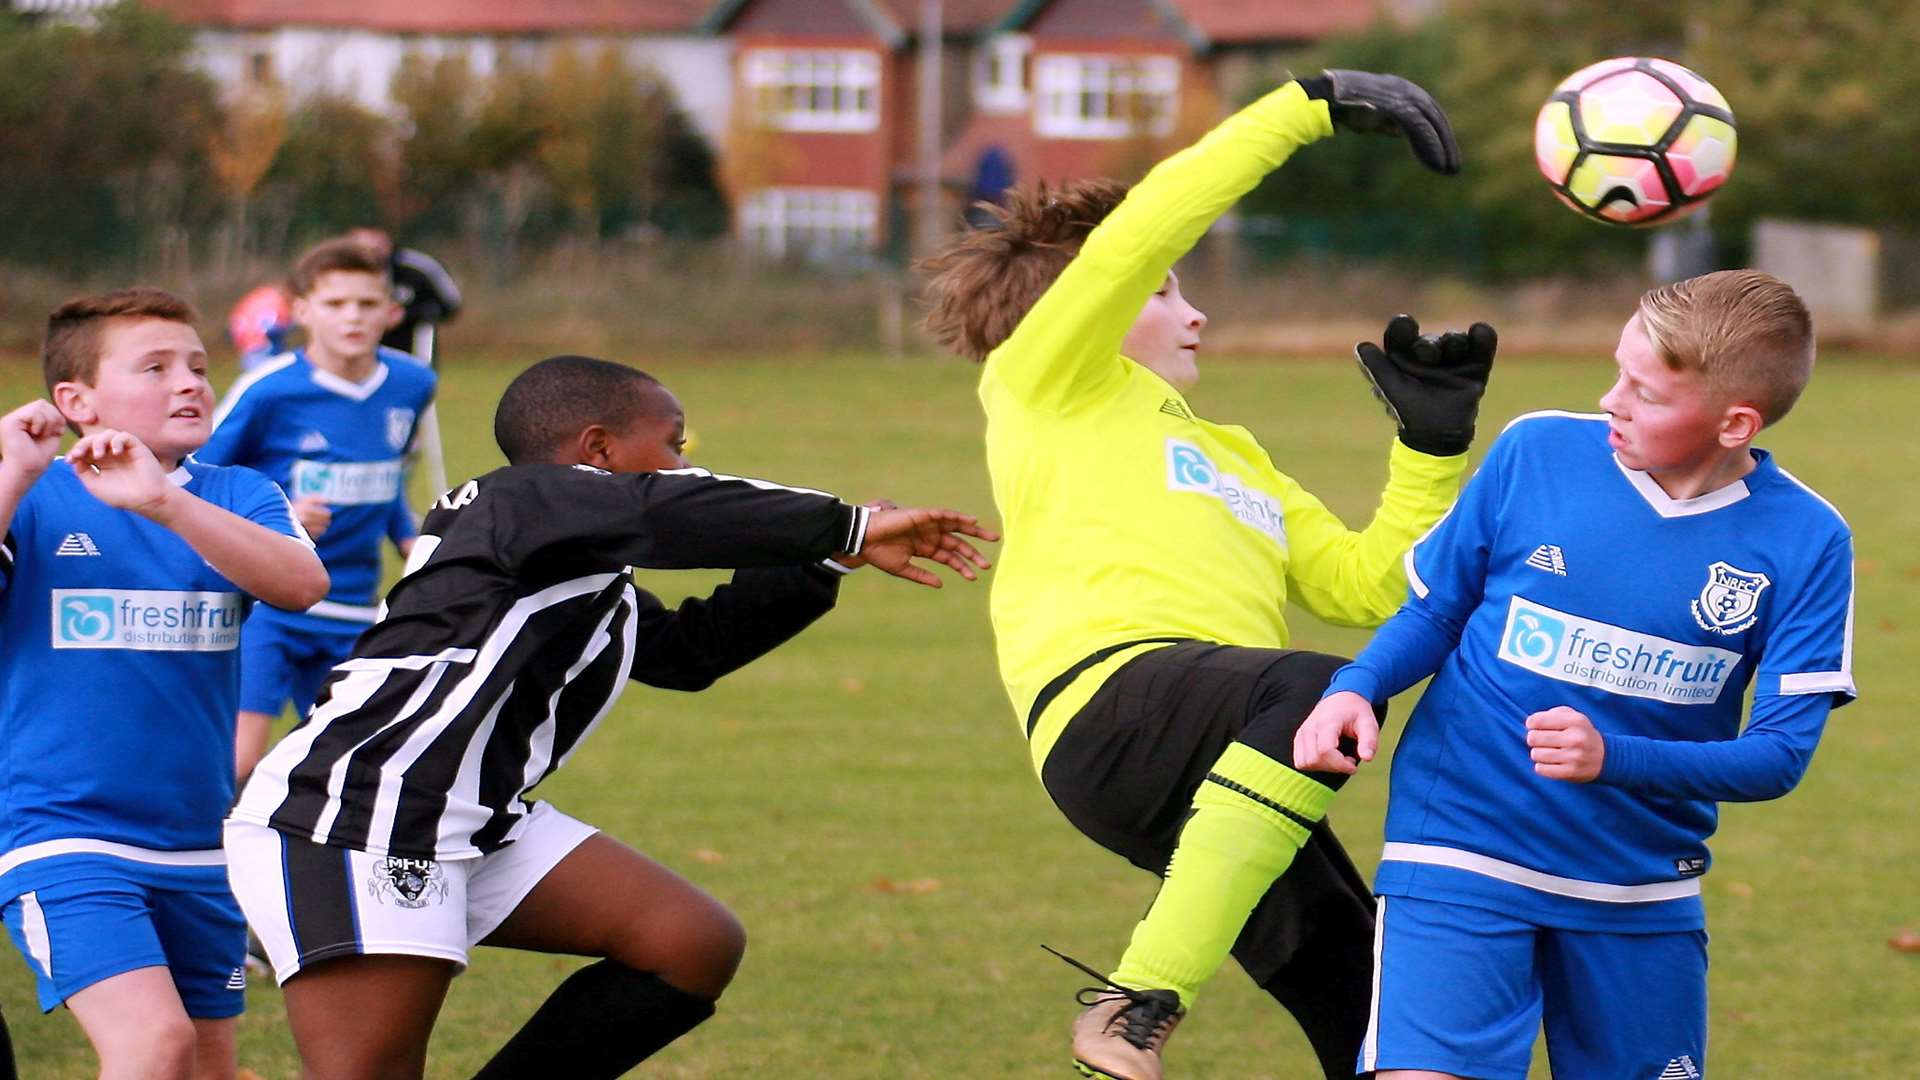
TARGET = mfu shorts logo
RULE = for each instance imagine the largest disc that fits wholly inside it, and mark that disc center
(1189, 469)
(1586, 652)
(408, 883)
(1730, 600)
(150, 620)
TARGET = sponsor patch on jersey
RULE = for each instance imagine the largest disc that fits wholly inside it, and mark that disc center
(1612, 658)
(1190, 469)
(149, 620)
(407, 883)
(347, 483)
(1730, 600)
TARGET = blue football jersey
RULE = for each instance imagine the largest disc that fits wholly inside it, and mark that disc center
(118, 677)
(317, 434)
(1564, 578)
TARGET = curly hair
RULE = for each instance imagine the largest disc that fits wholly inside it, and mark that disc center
(985, 282)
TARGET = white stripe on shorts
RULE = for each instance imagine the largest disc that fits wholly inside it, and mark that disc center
(1370, 1046)
(33, 927)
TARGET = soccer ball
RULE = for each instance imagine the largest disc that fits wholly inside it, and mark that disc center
(1634, 141)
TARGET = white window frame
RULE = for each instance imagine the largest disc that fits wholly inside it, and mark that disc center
(810, 222)
(813, 89)
(1000, 74)
(1075, 94)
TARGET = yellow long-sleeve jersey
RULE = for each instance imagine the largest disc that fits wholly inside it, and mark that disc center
(1125, 516)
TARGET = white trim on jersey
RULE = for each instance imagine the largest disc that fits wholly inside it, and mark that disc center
(1669, 507)
(1414, 580)
(1370, 1044)
(1818, 682)
(360, 613)
(80, 845)
(764, 485)
(246, 382)
(33, 927)
(410, 663)
(1562, 413)
(1513, 874)
(347, 388)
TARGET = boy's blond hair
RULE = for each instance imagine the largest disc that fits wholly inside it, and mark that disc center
(71, 352)
(1747, 333)
(985, 282)
(336, 255)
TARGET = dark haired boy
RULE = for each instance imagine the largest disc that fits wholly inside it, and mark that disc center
(125, 573)
(392, 832)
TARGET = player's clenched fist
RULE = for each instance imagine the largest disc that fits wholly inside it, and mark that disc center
(897, 536)
(1564, 745)
(1341, 716)
(30, 438)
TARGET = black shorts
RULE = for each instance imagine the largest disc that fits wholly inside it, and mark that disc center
(1125, 769)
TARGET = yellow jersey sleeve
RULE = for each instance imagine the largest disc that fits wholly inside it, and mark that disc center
(1359, 578)
(1065, 354)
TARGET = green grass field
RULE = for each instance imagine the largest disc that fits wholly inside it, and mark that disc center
(863, 799)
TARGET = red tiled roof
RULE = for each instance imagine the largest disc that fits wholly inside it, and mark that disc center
(1243, 21)
(447, 16)
(957, 16)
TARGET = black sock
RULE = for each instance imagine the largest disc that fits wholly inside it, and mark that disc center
(605, 1019)
(6, 1053)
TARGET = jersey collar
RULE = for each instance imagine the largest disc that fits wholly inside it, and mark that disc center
(1669, 507)
(347, 388)
(181, 476)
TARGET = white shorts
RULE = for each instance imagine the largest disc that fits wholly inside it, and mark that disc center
(310, 902)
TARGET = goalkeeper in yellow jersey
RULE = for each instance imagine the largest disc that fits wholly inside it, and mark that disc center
(1149, 553)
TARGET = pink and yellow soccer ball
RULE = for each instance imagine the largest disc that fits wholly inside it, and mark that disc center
(1635, 141)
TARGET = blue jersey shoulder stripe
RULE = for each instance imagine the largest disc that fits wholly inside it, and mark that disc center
(248, 381)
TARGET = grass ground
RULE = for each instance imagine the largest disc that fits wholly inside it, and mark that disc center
(863, 800)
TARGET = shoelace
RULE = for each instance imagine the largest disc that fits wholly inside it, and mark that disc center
(1144, 1019)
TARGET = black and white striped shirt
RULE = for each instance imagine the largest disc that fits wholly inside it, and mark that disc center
(514, 630)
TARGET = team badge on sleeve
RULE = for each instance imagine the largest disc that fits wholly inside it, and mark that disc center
(1730, 601)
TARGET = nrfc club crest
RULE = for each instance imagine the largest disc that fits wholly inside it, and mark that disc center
(410, 883)
(399, 426)
(1730, 602)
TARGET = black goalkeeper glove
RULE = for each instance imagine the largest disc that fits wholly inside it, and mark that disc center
(1430, 384)
(1387, 105)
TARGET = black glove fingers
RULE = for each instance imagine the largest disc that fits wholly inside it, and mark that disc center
(1401, 330)
(1454, 349)
(1445, 152)
(1484, 340)
(1426, 351)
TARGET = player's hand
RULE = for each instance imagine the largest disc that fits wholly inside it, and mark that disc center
(119, 470)
(313, 514)
(1388, 105)
(30, 438)
(1565, 745)
(1339, 717)
(855, 562)
(1430, 383)
(895, 537)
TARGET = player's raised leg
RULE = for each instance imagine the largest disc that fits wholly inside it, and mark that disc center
(339, 1037)
(667, 948)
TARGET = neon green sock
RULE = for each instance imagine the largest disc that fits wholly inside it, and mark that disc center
(1245, 828)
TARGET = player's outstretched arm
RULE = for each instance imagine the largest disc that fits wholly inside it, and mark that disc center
(120, 471)
(29, 441)
(897, 536)
(1341, 715)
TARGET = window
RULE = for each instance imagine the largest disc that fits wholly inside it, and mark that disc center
(1105, 97)
(814, 90)
(813, 223)
(1000, 74)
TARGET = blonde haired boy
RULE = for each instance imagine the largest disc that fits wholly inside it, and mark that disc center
(1149, 555)
(1592, 613)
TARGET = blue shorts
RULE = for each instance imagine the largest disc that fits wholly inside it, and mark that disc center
(81, 932)
(1465, 990)
(281, 663)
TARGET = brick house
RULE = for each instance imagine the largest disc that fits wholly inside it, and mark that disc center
(821, 150)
